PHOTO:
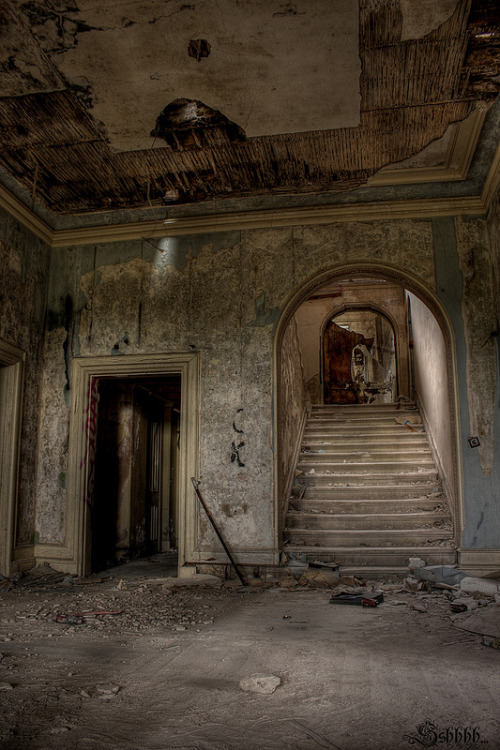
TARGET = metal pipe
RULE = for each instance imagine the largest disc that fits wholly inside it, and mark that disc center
(214, 525)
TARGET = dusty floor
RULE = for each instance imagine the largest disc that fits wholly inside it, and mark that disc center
(165, 672)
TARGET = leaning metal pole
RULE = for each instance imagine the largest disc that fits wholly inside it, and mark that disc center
(196, 485)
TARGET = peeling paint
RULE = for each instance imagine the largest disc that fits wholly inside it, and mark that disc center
(225, 303)
(479, 320)
(24, 274)
(263, 315)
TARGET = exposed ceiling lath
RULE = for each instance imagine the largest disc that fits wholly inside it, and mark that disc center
(411, 91)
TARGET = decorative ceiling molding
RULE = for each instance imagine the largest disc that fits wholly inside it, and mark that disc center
(272, 219)
(492, 182)
(263, 219)
(457, 160)
(19, 211)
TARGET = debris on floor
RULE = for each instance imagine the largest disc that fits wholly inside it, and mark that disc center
(359, 597)
(491, 642)
(447, 574)
(320, 564)
(415, 562)
(464, 604)
(486, 621)
(258, 683)
(204, 659)
(319, 578)
(480, 585)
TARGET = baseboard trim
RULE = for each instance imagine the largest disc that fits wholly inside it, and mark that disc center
(479, 562)
(243, 557)
(57, 556)
(23, 558)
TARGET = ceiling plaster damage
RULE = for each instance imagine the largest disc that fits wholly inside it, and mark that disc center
(119, 105)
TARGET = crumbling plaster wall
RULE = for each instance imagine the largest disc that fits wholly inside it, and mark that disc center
(463, 282)
(222, 294)
(293, 402)
(432, 387)
(494, 252)
(479, 321)
(24, 274)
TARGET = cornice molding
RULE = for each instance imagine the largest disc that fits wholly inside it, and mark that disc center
(25, 216)
(492, 181)
(457, 161)
(263, 219)
(271, 219)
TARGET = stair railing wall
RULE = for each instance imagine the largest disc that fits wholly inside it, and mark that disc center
(446, 483)
(285, 500)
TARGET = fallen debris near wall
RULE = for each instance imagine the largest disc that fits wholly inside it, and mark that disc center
(359, 597)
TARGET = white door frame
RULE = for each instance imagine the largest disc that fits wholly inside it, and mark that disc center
(11, 393)
(76, 554)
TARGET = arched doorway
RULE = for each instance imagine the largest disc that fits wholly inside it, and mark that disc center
(358, 358)
(300, 339)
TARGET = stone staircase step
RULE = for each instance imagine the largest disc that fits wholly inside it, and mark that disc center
(366, 445)
(408, 405)
(421, 465)
(356, 432)
(365, 537)
(341, 456)
(370, 420)
(368, 505)
(380, 491)
(368, 495)
(369, 557)
(420, 479)
(376, 521)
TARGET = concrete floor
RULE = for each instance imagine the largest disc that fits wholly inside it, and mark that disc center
(352, 678)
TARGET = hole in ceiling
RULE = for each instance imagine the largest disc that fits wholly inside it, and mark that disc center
(188, 124)
(199, 48)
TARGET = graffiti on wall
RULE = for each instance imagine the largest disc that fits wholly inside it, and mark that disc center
(90, 437)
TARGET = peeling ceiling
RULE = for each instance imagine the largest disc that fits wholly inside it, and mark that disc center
(123, 104)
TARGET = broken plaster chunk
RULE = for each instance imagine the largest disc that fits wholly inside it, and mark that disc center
(480, 585)
(464, 601)
(258, 683)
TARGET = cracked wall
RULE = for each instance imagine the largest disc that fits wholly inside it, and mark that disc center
(24, 274)
(222, 295)
(293, 401)
(479, 321)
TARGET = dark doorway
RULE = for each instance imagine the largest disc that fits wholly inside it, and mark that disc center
(359, 358)
(134, 507)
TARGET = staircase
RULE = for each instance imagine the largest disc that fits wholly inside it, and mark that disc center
(368, 494)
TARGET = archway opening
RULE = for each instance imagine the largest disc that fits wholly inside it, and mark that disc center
(396, 352)
(359, 358)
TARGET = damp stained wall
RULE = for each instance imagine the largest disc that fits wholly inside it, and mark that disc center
(431, 383)
(464, 286)
(24, 274)
(223, 295)
(293, 403)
